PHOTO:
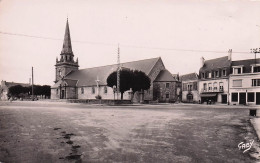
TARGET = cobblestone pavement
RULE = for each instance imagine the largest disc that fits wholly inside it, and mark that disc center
(62, 132)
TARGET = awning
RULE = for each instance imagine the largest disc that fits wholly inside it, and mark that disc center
(208, 95)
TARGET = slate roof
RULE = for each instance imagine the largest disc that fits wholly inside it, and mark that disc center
(165, 76)
(88, 76)
(191, 76)
(246, 63)
(215, 64)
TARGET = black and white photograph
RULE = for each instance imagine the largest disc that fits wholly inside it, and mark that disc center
(129, 81)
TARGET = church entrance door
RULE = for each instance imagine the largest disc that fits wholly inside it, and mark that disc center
(62, 94)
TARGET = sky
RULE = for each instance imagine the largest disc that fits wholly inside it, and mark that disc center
(178, 31)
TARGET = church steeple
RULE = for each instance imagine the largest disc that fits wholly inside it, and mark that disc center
(67, 48)
(66, 62)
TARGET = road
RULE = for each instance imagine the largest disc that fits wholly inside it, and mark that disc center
(62, 132)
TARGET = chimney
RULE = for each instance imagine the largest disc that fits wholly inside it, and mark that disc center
(230, 54)
(202, 60)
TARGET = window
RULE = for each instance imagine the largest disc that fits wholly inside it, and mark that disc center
(210, 87)
(209, 74)
(59, 72)
(237, 83)
(234, 97)
(189, 87)
(82, 90)
(250, 97)
(203, 75)
(255, 82)
(93, 90)
(237, 70)
(195, 86)
(224, 73)
(167, 95)
(57, 91)
(205, 86)
(215, 86)
(217, 74)
(257, 69)
(167, 85)
(221, 86)
(105, 89)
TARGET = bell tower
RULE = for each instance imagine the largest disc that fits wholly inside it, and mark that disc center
(66, 63)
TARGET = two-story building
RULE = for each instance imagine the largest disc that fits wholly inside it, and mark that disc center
(214, 79)
(245, 82)
(190, 84)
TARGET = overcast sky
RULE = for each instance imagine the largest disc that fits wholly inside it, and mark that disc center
(180, 32)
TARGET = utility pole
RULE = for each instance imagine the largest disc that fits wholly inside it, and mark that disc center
(256, 50)
(32, 86)
(118, 71)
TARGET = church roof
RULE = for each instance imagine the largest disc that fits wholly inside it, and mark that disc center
(88, 76)
(165, 76)
(67, 48)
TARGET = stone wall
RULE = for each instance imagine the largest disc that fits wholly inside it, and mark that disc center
(109, 95)
(148, 95)
(160, 91)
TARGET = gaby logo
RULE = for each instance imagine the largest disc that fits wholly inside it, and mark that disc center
(245, 146)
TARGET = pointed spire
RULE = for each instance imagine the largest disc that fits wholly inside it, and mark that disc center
(67, 48)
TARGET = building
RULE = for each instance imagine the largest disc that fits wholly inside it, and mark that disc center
(72, 83)
(4, 88)
(190, 85)
(214, 79)
(245, 82)
(165, 87)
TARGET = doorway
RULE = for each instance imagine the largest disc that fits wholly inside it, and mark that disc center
(62, 94)
(242, 98)
(257, 98)
(224, 99)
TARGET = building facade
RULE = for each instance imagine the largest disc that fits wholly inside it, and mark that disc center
(214, 79)
(74, 83)
(190, 85)
(245, 82)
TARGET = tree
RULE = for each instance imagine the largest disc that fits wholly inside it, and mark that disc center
(141, 81)
(126, 77)
(137, 80)
(16, 90)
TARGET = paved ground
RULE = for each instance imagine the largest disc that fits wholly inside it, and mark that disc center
(60, 132)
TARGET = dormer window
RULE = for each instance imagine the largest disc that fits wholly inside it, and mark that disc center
(255, 68)
(209, 74)
(202, 75)
(224, 72)
(237, 69)
(217, 74)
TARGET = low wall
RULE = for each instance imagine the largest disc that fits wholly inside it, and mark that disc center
(104, 101)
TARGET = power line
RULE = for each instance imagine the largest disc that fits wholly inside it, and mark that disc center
(122, 45)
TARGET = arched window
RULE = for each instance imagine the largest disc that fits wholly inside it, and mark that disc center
(82, 90)
(105, 89)
(93, 90)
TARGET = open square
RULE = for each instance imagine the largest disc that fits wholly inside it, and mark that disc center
(65, 132)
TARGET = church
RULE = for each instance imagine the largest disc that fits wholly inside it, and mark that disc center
(74, 83)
